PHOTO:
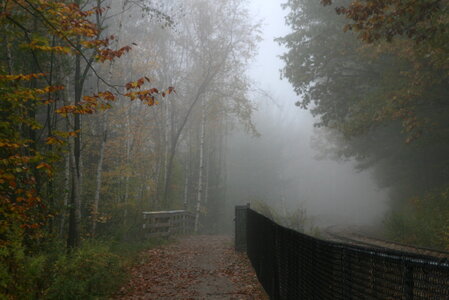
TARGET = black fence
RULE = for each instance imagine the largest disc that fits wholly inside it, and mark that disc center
(240, 227)
(292, 265)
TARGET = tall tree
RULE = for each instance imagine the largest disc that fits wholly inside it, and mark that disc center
(380, 93)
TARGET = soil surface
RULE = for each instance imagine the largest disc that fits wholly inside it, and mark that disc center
(193, 268)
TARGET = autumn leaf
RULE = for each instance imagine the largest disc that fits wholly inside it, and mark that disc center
(52, 140)
(43, 165)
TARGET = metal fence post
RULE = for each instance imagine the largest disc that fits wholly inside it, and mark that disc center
(408, 282)
(276, 266)
(240, 227)
(347, 274)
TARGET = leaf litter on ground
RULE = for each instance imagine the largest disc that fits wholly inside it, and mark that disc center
(193, 268)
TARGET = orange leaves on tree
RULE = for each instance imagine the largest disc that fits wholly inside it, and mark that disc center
(48, 169)
(6, 144)
(92, 44)
(40, 45)
(52, 140)
(82, 109)
(89, 105)
(19, 77)
(169, 91)
(107, 96)
(18, 194)
(43, 165)
(109, 54)
(65, 29)
(147, 96)
(68, 20)
(136, 84)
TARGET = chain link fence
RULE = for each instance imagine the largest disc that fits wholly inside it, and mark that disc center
(293, 265)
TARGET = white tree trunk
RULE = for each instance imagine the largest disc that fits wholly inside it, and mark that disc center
(75, 210)
(98, 180)
(201, 166)
(127, 163)
(104, 133)
(67, 161)
(166, 142)
(186, 181)
(206, 180)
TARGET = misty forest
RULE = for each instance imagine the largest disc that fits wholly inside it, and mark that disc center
(321, 115)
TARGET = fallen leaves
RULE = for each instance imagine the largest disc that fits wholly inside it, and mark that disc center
(197, 267)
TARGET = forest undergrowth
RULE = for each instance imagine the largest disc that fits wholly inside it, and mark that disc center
(95, 270)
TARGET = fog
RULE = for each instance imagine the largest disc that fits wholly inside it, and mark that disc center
(126, 122)
(201, 105)
(281, 167)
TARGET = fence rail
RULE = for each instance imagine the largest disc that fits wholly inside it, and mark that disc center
(293, 265)
(167, 223)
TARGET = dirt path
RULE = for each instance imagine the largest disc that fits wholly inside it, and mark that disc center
(199, 267)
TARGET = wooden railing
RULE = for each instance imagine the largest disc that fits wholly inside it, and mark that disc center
(167, 223)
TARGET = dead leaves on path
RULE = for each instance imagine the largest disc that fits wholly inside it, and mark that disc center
(200, 267)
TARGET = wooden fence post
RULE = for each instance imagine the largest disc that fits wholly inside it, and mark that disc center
(167, 223)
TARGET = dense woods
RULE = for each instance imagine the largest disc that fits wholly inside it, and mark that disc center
(114, 107)
(110, 108)
(374, 73)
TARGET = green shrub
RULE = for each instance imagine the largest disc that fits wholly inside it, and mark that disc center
(19, 274)
(95, 270)
(423, 222)
(89, 272)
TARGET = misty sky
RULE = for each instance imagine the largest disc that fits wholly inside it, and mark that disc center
(266, 67)
(329, 190)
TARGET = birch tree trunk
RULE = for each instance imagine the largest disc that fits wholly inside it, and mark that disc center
(206, 180)
(73, 239)
(160, 180)
(166, 145)
(201, 165)
(127, 163)
(98, 180)
(186, 180)
(104, 134)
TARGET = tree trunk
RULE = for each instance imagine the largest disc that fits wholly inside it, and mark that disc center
(104, 134)
(175, 139)
(201, 165)
(206, 180)
(127, 164)
(75, 200)
(10, 62)
(99, 180)
(166, 146)
(160, 181)
(66, 193)
(186, 181)
(73, 239)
